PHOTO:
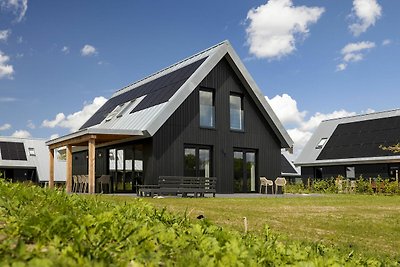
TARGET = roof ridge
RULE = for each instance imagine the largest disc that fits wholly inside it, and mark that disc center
(173, 65)
(363, 114)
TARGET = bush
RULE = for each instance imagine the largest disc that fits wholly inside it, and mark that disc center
(43, 227)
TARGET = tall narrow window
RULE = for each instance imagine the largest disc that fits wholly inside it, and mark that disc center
(207, 109)
(237, 114)
(190, 162)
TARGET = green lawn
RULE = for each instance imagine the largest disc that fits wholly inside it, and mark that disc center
(367, 224)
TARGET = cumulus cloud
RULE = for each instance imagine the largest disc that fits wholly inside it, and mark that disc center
(17, 7)
(365, 13)
(4, 34)
(88, 50)
(5, 126)
(31, 125)
(75, 120)
(300, 127)
(275, 27)
(386, 42)
(21, 134)
(54, 136)
(65, 49)
(354, 52)
(6, 70)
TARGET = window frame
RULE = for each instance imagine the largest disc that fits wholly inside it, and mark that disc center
(241, 109)
(197, 148)
(212, 91)
(322, 142)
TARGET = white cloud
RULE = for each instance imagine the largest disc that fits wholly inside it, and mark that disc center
(299, 126)
(75, 120)
(366, 13)
(21, 134)
(5, 126)
(7, 99)
(386, 42)
(54, 136)
(6, 70)
(354, 52)
(275, 27)
(65, 50)
(88, 50)
(18, 7)
(4, 34)
(31, 125)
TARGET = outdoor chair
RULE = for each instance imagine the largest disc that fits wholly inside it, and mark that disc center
(265, 182)
(75, 184)
(104, 180)
(279, 181)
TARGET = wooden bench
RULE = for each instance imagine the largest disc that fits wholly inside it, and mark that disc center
(179, 185)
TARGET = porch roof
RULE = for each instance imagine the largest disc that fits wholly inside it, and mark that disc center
(81, 137)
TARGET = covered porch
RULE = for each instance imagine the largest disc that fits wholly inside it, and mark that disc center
(90, 138)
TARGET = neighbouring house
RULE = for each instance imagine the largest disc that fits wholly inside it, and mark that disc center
(350, 147)
(203, 116)
(27, 159)
(288, 170)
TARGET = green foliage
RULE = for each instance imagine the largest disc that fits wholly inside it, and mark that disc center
(42, 227)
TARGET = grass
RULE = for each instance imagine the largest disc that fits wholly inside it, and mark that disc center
(369, 225)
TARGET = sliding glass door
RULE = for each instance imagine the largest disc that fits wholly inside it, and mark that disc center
(244, 171)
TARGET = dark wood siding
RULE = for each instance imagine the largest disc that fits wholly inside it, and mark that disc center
(183, 128)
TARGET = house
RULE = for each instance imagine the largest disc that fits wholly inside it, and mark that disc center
(350, 147)
(288, 170)
(26, 159)
(203, 116)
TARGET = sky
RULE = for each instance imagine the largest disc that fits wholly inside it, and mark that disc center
(313, 60)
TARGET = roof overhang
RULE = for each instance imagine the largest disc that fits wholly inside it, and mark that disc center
(351, 161)
(81, 137)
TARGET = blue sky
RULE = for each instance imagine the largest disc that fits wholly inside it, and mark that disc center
(320, 67)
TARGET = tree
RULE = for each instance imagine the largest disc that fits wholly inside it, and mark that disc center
(394, 148)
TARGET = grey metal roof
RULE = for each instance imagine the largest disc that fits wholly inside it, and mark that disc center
(150, 119)
(40, 162)
(309, 155)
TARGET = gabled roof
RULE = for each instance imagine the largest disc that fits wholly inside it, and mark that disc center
(353, 140)
(287, 167)
(21, 159)
(144, 106)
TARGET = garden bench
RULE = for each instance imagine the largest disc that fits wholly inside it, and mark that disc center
(180, 185)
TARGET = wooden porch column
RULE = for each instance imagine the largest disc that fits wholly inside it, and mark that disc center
(69, 168)
(92, 164)
(51, 177)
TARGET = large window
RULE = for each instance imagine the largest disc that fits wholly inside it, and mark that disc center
(236, 111)
(197, 162)
(207, 109)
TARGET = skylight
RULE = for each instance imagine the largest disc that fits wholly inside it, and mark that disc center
(128, 106)
(321, 143)
(31, 151)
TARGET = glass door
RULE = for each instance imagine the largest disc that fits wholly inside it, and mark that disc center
(244, 171)
(120, 177)
(197, 161)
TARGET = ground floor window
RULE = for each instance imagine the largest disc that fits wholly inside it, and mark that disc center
(318, 173)
(198, 161)
(244, 171)
(126, 167)
(350, 173)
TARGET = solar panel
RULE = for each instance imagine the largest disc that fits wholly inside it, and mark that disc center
(12, 151)
(286, 167)
(362, 139)
(157, 91)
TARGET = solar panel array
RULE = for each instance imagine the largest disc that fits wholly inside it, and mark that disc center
(286, 167)
(157, 91)
(362, 139)
(12, 151)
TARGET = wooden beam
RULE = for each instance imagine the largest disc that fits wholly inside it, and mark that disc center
(73, 141)
(69, 169)
(51, 176)
(92, 164)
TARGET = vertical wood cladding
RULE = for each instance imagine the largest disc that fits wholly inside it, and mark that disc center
(364, 170)
(183, 128)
